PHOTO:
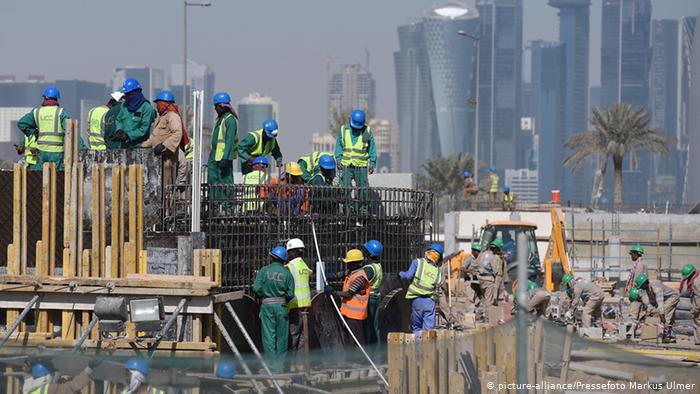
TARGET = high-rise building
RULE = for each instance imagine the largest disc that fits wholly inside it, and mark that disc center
(353, 87)
(382, 131)
(323, 142)
(8, 123)
(199, 77)
(524, 183)
(574, 36)
(692, 175)
(255, 109)
(152, 80)
(500, 79)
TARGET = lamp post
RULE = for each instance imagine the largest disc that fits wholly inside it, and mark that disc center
(186, 4)
(477, 42)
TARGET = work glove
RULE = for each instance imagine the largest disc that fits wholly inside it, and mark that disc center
(94, 363)
(225, 164)
(371, 170)
(329, 290)
(120, 135)
(159, 149)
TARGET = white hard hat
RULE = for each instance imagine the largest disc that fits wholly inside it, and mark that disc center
(295, 243)
(117, 95)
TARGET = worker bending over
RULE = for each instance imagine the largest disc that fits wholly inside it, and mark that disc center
(133, 122)
(302, 292)
(325, 175)
(538, 299)
(274, 285)
(690, 287)
(255, 192)
(47, 125)
(587, 293)
(261, 142)
(426, 280)
(372, 251)
(355, 294)
(637, 268)
(41, 380)
(658, 300)
(311, 164)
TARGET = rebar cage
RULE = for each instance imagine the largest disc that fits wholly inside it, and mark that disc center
(246, 222)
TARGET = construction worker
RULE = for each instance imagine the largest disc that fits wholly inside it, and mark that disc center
(587, 293)
(224, 140)
(372, 250)
(354, 297)
(225, 370)
(538, 299)
(42, 382)
(658, 300)
(261, 142)
(47, 124)
(302, 292)
(426, 281)
(690, 287)
(471, 190)
(493, 187)
(500, 251)
(490, 267)
(254, 181)
(508, 199)
(469, 271)
(356, 154)
(28, 149)
(325, 174)
(274, 285)
(97, 125)
(292, 198)
(458, 295)
(637, 268)
(135, 117)
(109, 121)
(137, 370)
(310, 164)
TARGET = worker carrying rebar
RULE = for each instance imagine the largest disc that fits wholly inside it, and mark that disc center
(657, 300)
(491, 268)
(135, 117)
(274, 285)
(41, 380)
(690, 287)
(508, 199)
(354, 296)
(302, 292)
(356, 155)
(470, 192)
(224, 140)
(426, 281)
(137, 370)
(261, 142)
(637, 268)
(372, 250)
(256, 193)
(97, 122)
(47, 124)
(493, 180)
(588, 293)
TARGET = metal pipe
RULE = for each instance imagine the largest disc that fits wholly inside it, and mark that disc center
(229, 341)
(252, 345)
(170, 322)
(521, 328)
(85, 333)
(19, 319)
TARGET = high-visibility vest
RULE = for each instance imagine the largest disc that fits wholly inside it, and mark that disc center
(260, 149)
(302, 292)
(96, 122)
(41, 389)
(377, 280)
(508, 197)
(189, 149)
(356, 306)
(425, 281)
(51, 133)
(29, 157)
(251, 196)
(221, 140)
(356, 154)
(311, 161)
(494, 183)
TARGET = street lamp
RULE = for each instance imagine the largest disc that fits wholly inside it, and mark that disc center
(186, 4)
(477, 42)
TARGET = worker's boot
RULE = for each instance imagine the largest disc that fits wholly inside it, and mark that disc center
(668, 335)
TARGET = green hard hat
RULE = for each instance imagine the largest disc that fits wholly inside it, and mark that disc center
(637, 248)
(634, 294)
(640, 279)
(566, 279)
(497, 243)
(688, 270)
(476, 246)
(531, 285)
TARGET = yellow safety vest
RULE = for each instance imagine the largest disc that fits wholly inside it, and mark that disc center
(377, 280)
(29, 157)
(494, 183)
(311, 161)
(508, 197)
(189, 149)
(51, 133)
(221, 140)
(40, 390)
(261, 150)
(302, 292)
(356, 154)
(425, 281)
(96, 122)
(252, 199)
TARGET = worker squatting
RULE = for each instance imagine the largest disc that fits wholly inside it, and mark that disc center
(128, 120)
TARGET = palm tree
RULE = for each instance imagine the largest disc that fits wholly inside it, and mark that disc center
(618, 131)
(445, 175)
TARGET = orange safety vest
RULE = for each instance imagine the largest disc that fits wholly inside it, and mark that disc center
(355, 307)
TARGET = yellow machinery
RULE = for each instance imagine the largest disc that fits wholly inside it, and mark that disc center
(556, 261)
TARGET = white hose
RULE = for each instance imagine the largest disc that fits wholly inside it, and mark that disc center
(318, 253)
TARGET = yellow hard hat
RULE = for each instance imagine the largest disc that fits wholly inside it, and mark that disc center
(353, 255)
(292, 168)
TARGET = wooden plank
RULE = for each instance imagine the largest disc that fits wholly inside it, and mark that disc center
(566, 354)
(139, 211)
(143, 262)
(117, 245)
(442, 372)
(489, 379)
(165, 346)
(63, 298)
(42, 262)
(197, 328)
(23, 221)
(79, 215)
(68, 325)
(428, 361)
(137, 280)
(52, 220)
(102, 213)
(226, 297)
(216, 261)
(395, 356)
(128, 265)
(197, 262)
(13, 250)
(412, 366)
(133, 238)
(85, 263)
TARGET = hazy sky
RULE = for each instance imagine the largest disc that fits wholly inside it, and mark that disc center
(274, 47)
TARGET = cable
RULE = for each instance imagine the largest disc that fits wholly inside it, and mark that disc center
(318, 253)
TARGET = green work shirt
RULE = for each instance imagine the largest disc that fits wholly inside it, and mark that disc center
(247, 145)
(319, 180)
(136, 125)
(28, 126)
(354, 135)
(274, 280)
(231, 138)
(111, 127)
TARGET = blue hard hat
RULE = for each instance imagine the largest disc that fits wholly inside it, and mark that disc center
(279, 252)
(261, 160)
(506, 189)
(40, 369)
(52, 92)
(226, 370)
(467, 174)
(221, 98)
(357, 119)
(270, 127)
(493, 168)
(438, 248)
(327, 162)
(130, 85)
(137, 364)
(374, 247)
(165, 95)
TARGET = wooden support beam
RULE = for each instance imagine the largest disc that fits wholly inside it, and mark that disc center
(17, 251)
(412, 367)
(566, 355)
(428, 362)
(117, 245)
(395, 356)
(133, 237)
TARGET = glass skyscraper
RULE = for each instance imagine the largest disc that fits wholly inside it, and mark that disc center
(253, 110)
